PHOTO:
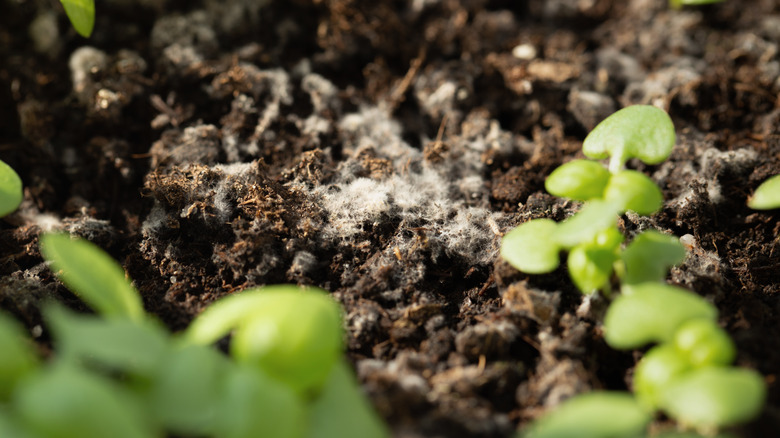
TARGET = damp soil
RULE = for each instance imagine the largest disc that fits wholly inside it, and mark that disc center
(380, 150)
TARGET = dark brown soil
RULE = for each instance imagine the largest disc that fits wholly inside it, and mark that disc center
(379, 149)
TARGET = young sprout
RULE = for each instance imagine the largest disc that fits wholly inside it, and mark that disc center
(10, 189)
(17, 358)
(652, 313)
(591, 263)
(767, 195)
(93, 275)
(531, 247)
(293, 334)
(63, 401)
(649, 257)
(599, 414)
(713, 397)
(634, 191)
(702, 342)
(659, 366)
(81, 14)
(581, 180)
(638, 131)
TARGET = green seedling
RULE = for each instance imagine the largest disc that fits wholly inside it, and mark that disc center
(64, 401)
(591, 263)
(660, 366)
(767, 195)
(634, 191)
(713, 397)
(703, 343)
(10, 189)
(291, 333)
(639, 131)
(649, 257)
(600, 414)
(652, 313)
(17, 358)
(93, 275)
(81, 14)
(581, 180)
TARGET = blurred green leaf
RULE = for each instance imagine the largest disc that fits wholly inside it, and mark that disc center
(17, 357)
(93, 275)
(81, 14)
(114, 344)
(594, 217)
(582, 180)
(342, 410)
(599, 414)
(649, 256)
(10, 189)
(531, 247)
(767, 195)
(634, 191)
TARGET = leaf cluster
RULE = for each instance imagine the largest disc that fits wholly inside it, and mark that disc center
(687, 375)
(120, 373)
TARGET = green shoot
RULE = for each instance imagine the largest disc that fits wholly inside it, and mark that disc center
(634, 191)
(92, 275)
(293, 334)
(531, 247)
(714, 397)
(10, 189)
(594, 415)
(767, 195)
(649, 256)
(652, 313)
(81, 14)
(590, 264)
(703, 343)
(581, 180)
(17, 358)
(638, 131)
(660, 366)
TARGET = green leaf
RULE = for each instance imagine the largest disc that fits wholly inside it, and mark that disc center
(767, 195)
(10, 427)
(652, 313)
(599, 414)
(10, 189)
(634, 191)
(17, 358)
(713, 397)
(113, 344)
(582, 180)
(342, 410)
(531, 247)
(254, 405)
(639, 131)
(649, 257)
(66, 402)
(594, 217)
(704, 343)
(81, 14)
(93, 275)
(590, 264)
(186, 387)
(661, 365)
(293, 334)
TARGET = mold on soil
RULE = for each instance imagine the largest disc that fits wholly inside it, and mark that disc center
(380, 150)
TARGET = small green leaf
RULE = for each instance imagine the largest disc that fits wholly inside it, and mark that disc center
(649, 256)
(634, 191)
(582, 180)
(65, 402)
(342, 410)
(704, 343)
(114, 344)
(661, 365)
(652, 313)
(10, 189)
(17, 358)
(590, 264)
(185, 388)
(599, 414)
(767, 195)
(293, 334)
(531, 247)
(81, 14)
(639, 131)
(93, 275)
(254, 405)
(594, 217)
(713, 397)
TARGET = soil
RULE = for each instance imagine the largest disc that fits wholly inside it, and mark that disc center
(380, 150)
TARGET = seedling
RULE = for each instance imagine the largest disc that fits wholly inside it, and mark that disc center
(120, 373)
(81, 14)
(10, 189)
(767, 195)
